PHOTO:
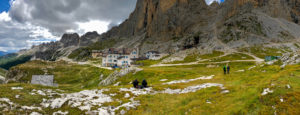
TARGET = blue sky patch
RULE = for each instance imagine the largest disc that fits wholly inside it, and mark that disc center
(4, 5)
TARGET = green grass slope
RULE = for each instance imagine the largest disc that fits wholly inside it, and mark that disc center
(245, 90)
(244, 97)
(68, 76)
(11, 60)
(195, 57)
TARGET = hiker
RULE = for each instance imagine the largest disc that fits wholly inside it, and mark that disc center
(135, 83)
(224, 69)
(144, 84)
(228, 69)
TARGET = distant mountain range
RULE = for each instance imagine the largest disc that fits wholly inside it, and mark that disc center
(2, 53)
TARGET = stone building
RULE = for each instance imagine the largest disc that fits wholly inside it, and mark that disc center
(45, 80)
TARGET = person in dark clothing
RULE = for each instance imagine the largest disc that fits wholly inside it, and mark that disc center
(144, 83)
(228, 69)
(135, 83)
(224, 69)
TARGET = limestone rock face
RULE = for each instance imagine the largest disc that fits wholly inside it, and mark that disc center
(88, 38)
(287, 9)
(70, 40)
(167, 18)
(2, 79)
(14, 74)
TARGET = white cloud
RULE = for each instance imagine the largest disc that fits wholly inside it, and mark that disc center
(61, 16)
(4, 16)
(15, 36)
(94, 25)
(32, 22)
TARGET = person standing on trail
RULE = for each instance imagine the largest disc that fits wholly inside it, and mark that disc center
(135, 83)
(224, 69)
(228, 69)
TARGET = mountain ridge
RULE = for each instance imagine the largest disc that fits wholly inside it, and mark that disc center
(173, 25)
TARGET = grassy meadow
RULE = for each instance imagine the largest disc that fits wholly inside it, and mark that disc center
(245, 86)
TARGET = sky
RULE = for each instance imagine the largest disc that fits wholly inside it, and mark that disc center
(24, 23)
(211, 1)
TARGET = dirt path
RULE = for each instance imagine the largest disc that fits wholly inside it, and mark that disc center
(256, 59)
(84, 63)
(191, 63)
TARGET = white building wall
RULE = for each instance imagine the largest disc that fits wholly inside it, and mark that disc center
(134, 54)
(104, 61)
(124, 62)
(152, 56)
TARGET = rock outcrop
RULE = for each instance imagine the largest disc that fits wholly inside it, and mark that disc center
(67, 44)
(117, 74)
(70, 40)
(2, 79)
(14, 75)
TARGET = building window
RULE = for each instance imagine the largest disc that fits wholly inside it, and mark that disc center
(133, 52)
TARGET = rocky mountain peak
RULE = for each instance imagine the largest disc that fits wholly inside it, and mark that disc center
(70, 39)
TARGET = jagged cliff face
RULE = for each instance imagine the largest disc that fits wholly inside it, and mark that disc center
(257, 22)
(157, 18)
(172, 25)
(287, 9)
